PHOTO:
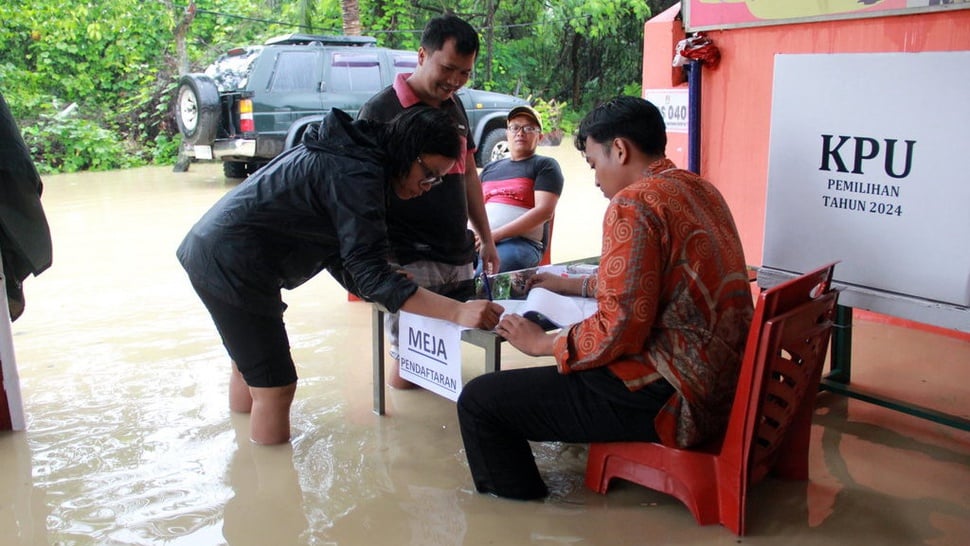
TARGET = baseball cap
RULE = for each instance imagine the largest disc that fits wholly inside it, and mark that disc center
(527, 111)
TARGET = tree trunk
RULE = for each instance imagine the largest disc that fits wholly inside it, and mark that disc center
(181, 29)
(490, 9)
(351, 16)
(575, 44)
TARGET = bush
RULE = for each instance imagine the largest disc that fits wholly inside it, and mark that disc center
(166, 149)
(23, 91)
(68, 144)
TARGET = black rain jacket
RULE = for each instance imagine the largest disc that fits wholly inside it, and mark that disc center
(25, 237)
(321, 205)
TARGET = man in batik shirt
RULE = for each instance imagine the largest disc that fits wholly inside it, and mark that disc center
(659, 360)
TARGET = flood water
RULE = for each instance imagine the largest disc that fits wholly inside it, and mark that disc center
(129, 439)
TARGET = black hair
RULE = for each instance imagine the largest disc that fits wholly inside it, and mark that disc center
(633, 118)
(441, 28)
(419, 130)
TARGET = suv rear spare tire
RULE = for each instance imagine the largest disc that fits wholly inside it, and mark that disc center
(197, 108)
(495, 146)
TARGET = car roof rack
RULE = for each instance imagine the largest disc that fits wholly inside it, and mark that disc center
(305, 39)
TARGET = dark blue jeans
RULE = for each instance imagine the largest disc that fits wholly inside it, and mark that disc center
(515, 253)
(499, 413)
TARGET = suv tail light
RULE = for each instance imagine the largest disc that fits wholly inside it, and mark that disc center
(246, 123)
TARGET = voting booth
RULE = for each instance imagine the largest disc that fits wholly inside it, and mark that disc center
(868, 167)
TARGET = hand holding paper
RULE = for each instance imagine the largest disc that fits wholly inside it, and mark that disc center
(479, 314)
(525, 335)
(551, 310)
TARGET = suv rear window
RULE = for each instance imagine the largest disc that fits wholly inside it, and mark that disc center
(355, 72)
(291, 72)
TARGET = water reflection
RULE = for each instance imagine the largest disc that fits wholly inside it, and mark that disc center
(389, 483)
(23, 508)
(859, 497)
(435, 517)
(121, 473)
(267, 504)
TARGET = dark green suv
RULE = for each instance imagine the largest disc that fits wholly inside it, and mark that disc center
(253, 102)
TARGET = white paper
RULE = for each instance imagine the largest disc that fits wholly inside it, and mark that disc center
(560, 310)
(430, 354)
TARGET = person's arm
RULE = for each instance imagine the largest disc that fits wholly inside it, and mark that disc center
(477, 216)
(472, 314)
(359, 216)
(545, 207)
(628, 290)
(547, 184)
(583, 286)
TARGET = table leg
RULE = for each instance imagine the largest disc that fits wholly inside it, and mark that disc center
(840, 359)
(839, 379)
(493, 354)
(377, 334)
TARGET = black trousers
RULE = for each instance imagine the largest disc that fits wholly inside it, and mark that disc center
(500, 413)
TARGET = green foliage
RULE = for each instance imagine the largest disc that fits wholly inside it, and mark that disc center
(633, 89)
(165, 149)
(220, 25)
(395, 23)
(578, 51)
(551, 111)
(108, 59)
(74, 144)
(24, 92)
(570, 121)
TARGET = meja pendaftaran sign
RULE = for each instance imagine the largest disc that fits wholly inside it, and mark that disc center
(430, 353)
(868, 165)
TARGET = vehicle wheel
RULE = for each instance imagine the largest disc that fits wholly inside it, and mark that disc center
(495, 146)
(235, 169)
(197, 108)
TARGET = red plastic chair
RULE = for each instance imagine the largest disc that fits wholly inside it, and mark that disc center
(770, 423)
(547, 241)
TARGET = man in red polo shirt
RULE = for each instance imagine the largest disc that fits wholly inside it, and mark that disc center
(429, 235)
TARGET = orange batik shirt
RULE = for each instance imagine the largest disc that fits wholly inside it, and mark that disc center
(674, 301)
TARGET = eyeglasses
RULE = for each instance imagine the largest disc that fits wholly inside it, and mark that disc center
(527, 129)
(430, 179)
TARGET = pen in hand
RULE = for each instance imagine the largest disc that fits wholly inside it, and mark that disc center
(487, 285)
